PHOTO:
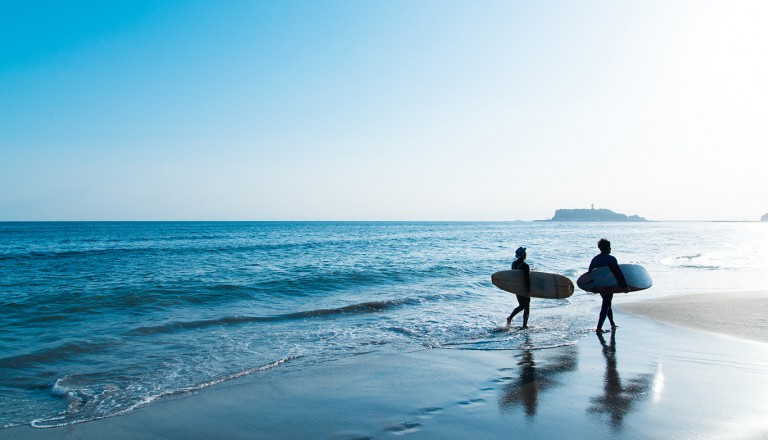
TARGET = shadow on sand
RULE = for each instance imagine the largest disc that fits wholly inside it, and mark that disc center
(619, 398)
(536, 377)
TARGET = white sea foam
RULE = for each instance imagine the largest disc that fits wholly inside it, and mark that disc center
(71, 416)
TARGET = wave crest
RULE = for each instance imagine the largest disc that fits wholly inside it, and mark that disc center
(360, 308)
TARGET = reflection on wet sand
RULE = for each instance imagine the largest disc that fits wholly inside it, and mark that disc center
(618, 399)
(536, 377)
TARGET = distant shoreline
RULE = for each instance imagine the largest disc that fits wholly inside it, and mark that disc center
(594, 215)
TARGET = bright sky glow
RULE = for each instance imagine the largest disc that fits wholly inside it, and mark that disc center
(382, 110)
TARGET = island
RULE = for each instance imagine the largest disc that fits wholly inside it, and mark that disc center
(593, 215)
(764, 218)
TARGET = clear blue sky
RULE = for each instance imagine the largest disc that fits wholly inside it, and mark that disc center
(382, 110)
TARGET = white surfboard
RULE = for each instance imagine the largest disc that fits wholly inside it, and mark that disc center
(601, 280)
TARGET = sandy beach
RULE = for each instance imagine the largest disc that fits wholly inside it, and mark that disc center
(741, 314)
(651, 379)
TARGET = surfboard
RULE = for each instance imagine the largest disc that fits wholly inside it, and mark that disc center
(601, 280)
(543, 284)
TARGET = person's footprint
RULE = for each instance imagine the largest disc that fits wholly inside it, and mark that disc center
(430, 411)
(403, 428)
(471, 402)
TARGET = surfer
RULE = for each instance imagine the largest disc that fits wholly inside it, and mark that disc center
(601, 260)
(524, 302)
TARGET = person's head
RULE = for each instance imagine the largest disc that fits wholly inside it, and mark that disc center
(604, 246)
(520, 253)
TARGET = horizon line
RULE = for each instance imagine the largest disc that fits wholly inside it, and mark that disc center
(378, 221)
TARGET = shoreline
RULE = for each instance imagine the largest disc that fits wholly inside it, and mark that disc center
(648, 380)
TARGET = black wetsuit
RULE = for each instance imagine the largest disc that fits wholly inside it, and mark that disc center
(524, 302)
(602, 260)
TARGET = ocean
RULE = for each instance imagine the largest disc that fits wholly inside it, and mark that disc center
(99, 318)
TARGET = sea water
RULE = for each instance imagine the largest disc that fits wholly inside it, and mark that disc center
(100, 318)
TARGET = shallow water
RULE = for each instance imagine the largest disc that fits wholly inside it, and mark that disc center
(103, 317)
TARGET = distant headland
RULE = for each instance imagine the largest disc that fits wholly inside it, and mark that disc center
(764, 218)
(593, 215)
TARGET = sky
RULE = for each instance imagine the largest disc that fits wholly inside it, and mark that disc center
(382, 109)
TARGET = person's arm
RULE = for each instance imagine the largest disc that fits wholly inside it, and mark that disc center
(616, 271)
(527, 272)
(592, 264)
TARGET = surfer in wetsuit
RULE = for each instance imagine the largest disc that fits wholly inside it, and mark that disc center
(524, 302)
(601, 260)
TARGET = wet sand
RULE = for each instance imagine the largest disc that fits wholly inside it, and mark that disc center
(648, 380)
(741, 314)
